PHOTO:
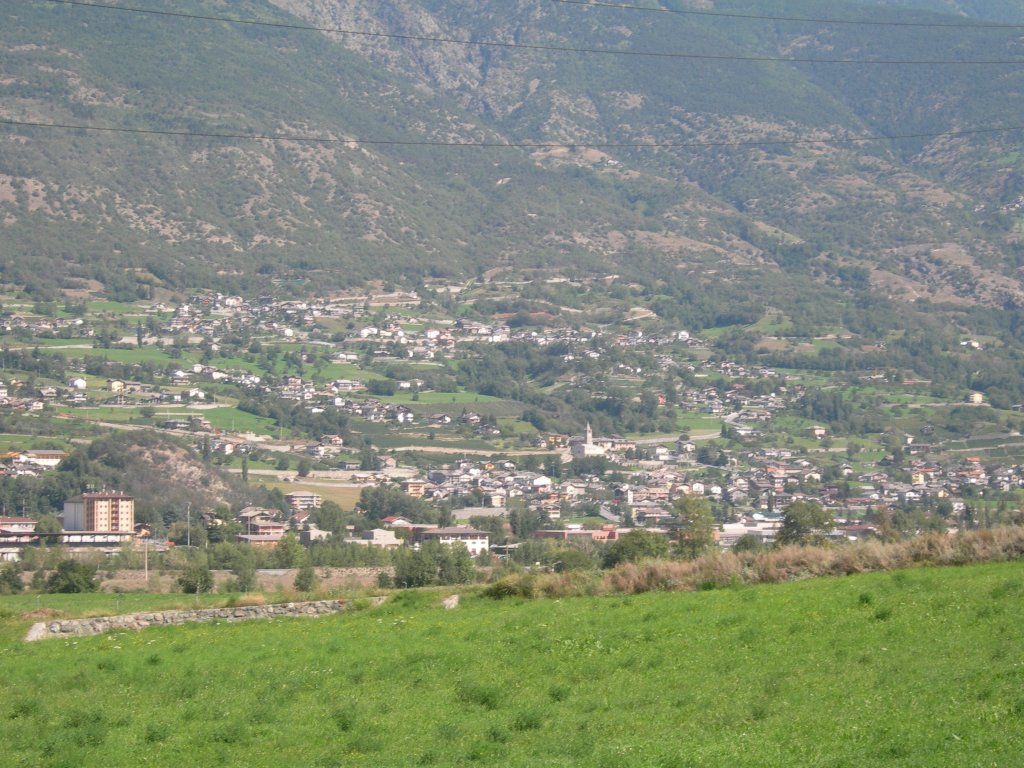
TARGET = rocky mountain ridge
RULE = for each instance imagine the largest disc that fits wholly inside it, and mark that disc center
(723, 169)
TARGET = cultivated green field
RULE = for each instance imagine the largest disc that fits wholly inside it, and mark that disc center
(913, 668)
(344, 496)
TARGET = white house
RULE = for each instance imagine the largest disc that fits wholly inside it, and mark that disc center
(44, 458)
(475, 541)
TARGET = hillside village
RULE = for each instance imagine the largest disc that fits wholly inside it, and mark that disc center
(582, 487)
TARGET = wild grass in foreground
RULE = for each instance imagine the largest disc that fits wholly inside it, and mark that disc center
(920, 667)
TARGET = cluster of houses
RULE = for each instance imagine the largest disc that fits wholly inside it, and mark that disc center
(30, 462)
(647, 479)
(397, 335)
(73, 327)
(214, 313)
(758, 490)
(18, 396)
(266, 527)
(630, 497)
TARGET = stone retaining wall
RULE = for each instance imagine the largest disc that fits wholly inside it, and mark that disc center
(136, 621)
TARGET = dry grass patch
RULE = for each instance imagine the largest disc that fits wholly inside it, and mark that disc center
(793, 563)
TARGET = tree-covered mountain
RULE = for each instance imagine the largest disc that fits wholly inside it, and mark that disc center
(726, 166)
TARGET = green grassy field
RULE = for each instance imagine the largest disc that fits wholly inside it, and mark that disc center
(222, 417)
(774, 323)
(15, 343)
(467, 399)
(344, 496)
(237, 363)
(696, 423)
(115, 308)
(912, 668)
(9, 442)
(150, 354)
(238, 421)
(335, 371)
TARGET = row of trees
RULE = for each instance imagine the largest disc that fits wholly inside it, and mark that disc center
(69, 576)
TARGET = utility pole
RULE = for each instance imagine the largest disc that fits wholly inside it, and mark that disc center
(188, 525)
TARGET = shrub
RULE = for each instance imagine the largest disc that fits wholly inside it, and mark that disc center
(788, 563)
(73, 576)
(977, 547)
(306, 579)
(571, 584)
(196, 579)
(516, 585)
(1011, 541)
(245, 578)
(634, 547)
(748, 542)
(10, 580)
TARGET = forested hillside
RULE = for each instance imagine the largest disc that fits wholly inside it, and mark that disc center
(712, 150)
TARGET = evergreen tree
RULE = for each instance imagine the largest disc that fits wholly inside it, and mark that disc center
(306, 579)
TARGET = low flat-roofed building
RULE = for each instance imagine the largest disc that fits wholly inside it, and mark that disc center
(47, 459)
(303, 500)
(475, 541)
(17, 525)
(17, 531)
(378, 537)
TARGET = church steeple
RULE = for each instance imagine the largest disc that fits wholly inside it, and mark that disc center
(590, 435)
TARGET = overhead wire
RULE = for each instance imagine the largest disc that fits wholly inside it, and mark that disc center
(508, 145)
(804, 19)
(535, 46)
(526, 145)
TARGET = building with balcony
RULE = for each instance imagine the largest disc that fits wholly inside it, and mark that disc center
(100, 512)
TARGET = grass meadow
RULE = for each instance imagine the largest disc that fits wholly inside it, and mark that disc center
(921, 667)
(345, 496)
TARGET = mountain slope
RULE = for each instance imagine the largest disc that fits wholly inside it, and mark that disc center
(934, 217)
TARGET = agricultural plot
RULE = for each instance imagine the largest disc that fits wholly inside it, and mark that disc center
(149, 354)
(345, 496)
(235, 420)
(335, 371)
(699, 424)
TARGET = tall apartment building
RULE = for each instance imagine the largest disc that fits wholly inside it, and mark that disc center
(100, 511)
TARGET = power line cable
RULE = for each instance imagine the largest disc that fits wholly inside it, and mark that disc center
(506, 145)
(810, 20)
(534, 46)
